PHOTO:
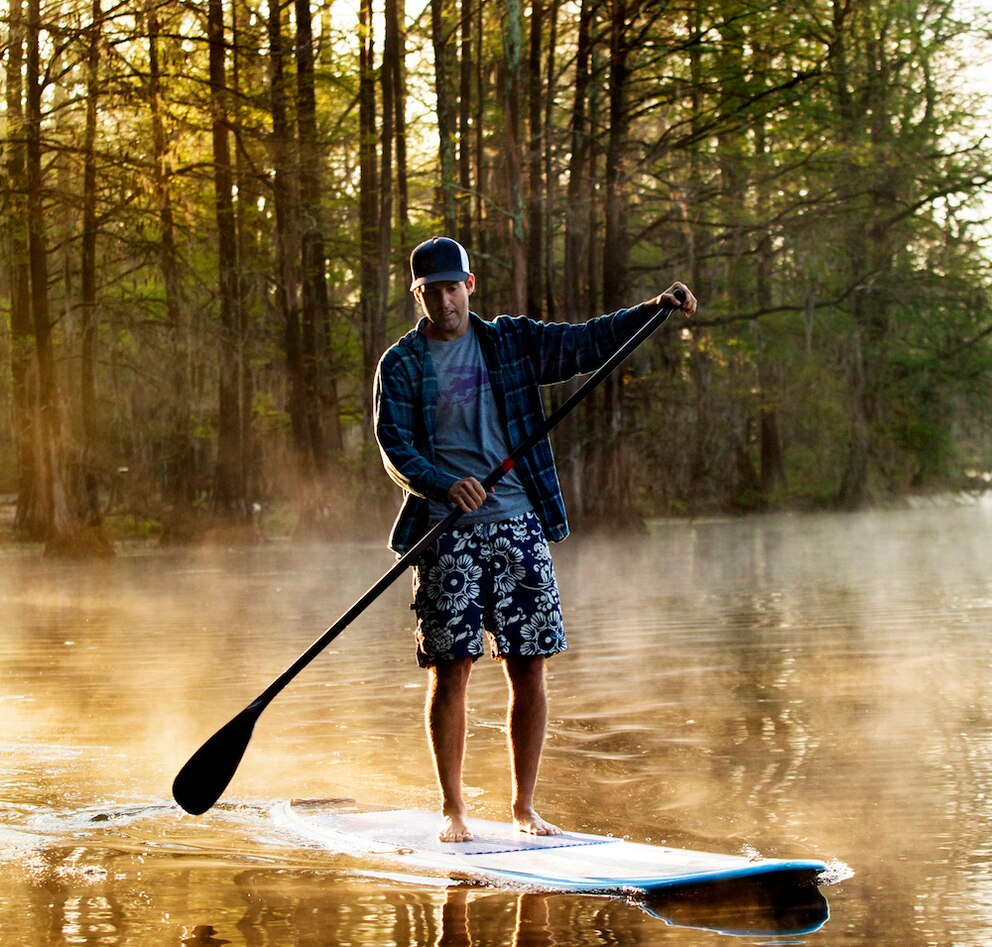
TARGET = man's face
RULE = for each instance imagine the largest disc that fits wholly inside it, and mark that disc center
(446, 307)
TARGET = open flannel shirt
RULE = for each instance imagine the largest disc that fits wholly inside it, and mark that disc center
(521, 355)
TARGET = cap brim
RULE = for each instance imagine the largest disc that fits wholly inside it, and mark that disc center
(451, 276)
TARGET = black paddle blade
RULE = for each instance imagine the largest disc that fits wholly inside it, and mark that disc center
(206, 775)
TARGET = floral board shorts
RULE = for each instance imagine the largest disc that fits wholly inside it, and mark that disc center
(496, 577)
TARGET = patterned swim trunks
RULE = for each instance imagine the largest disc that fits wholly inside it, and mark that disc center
(496, 577)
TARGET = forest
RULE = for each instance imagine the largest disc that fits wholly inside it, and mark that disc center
(208, 208)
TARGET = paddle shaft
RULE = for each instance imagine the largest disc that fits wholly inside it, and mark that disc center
(494, 476)
(229, 742)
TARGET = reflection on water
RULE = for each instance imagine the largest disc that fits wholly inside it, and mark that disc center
(796, 686)
(739, 910)
(765, 907)
(532, 927)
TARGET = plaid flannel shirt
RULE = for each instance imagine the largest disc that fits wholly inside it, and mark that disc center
(521, 355)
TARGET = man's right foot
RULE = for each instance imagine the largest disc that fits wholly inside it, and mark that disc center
(454, 829)
(532, 824)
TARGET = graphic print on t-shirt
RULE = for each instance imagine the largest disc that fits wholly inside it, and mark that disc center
(468, 434)
(463, 385)
(464, 395)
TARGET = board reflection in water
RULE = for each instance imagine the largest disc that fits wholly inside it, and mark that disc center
(775, 906)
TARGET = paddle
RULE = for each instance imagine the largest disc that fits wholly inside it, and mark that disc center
(208, 771)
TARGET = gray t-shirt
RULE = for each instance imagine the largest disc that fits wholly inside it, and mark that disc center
(468, 436)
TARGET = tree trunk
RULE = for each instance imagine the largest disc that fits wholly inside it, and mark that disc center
(548, 243)
(441, 35)
(63, 534)
(47, 432)
(770, 375)
(373, 310)
(230, 498)
(576, 296)
(322, 398)
(27, 519)
(701, 370)
(511, 157)
(480, 164)
(865, 119)
(615, 242)
(248, 265)
(395, 44)
(181, 473)
(576, 301)
(387, 83)
(88, 459)
(466, 73)
(285, 194)
(536, 195)
(610, 497)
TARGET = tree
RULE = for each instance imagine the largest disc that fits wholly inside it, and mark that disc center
(536, 184)
(58, 509)
(230, 497)
(375, 197)
(441, 39)
(88, 302)
(27, 521)
(515, 239)
(578, 292)
(180, 460)
(322, 397)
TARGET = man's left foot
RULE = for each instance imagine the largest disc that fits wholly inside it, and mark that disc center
(532, 824)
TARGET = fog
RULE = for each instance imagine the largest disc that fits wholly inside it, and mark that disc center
(809, 686)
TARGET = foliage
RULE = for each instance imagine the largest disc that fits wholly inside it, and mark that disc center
(816, 171)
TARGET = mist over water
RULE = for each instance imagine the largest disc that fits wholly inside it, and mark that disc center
(798, 686)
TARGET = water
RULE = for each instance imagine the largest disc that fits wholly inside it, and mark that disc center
(813, 686)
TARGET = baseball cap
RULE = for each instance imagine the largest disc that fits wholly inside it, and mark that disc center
(438, 260)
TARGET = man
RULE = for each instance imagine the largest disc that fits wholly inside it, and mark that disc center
(452, 399)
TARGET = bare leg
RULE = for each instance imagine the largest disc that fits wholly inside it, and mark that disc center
(527, 720)
(445, 717)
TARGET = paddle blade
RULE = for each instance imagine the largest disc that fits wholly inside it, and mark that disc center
(209, 770)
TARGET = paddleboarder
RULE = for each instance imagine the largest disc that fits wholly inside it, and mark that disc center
(450, 396)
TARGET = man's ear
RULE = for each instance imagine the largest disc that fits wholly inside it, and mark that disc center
(470, 283)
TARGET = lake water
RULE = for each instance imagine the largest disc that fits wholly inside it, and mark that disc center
(799, 686)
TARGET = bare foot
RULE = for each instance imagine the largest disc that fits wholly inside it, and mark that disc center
(532, 824)
(454, 829)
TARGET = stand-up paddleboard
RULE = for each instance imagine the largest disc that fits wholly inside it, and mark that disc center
(499, 853)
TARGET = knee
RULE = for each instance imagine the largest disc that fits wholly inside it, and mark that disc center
(526, 673)
(452, 676)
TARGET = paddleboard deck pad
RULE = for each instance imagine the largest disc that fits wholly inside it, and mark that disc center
(501, 854)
